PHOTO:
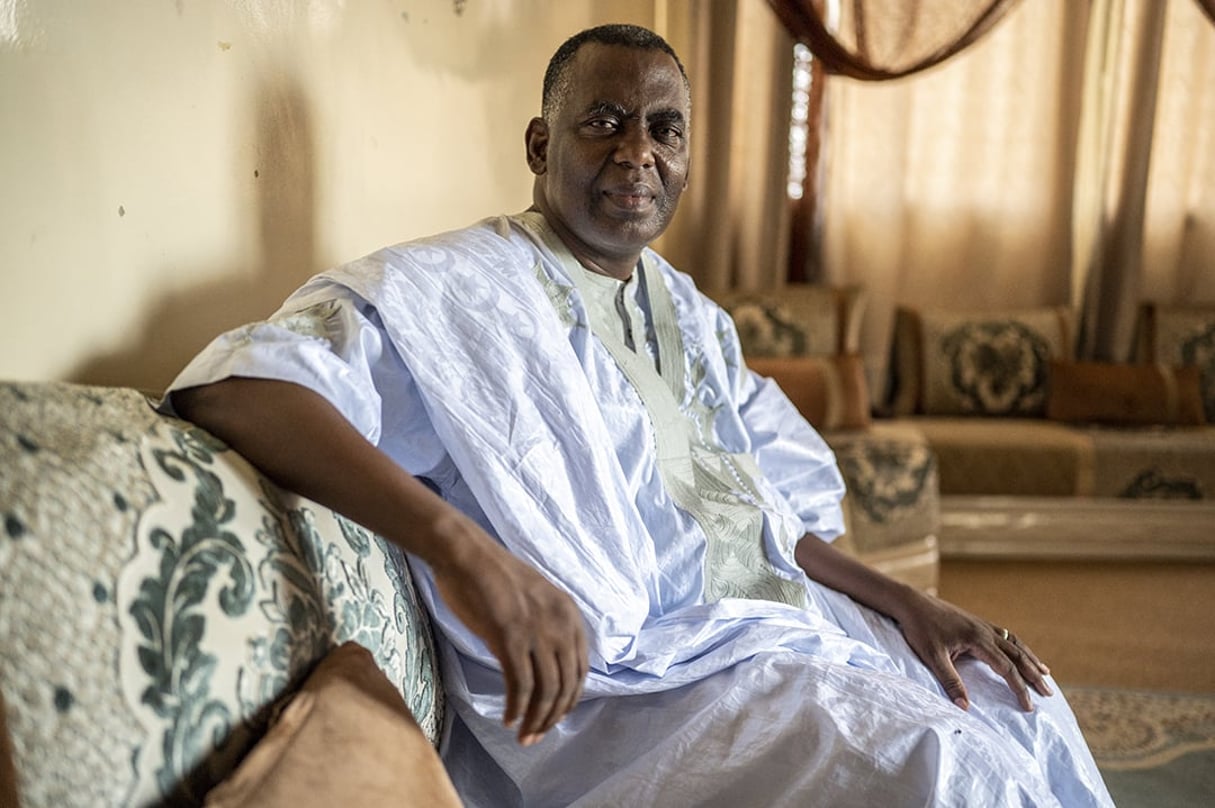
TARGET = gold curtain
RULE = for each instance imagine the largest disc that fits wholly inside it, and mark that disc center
(1120, 89)
(953, 188)
(875, 40)
(1179, 217)
(1145, 184)
(732, 229)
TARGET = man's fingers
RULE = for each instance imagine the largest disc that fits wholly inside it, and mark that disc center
(999, 657)
(947, 675)
(1027, 664)
(517, 671)
(544, 694)
(1033, 658)
(573, 674)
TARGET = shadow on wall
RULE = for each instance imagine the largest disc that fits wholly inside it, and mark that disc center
(180, 324)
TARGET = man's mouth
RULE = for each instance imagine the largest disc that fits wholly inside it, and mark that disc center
(630, 197)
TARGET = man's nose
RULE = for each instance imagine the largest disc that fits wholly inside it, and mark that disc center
(635, 149)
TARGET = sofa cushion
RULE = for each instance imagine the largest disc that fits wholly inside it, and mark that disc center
(976, 363)
(796, 320)
(1031, 457)
(1009, 456)
(1181, 335)
(1124, 394)
(346, 738)
(157, 595)
(829, 391)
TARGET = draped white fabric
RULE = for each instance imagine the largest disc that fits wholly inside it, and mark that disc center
(470, 359)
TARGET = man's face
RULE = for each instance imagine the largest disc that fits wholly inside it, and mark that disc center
(613, 162)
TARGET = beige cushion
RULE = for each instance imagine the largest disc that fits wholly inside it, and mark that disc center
(1123, 394)
(346, 738)
(976, 363)
(829, 391)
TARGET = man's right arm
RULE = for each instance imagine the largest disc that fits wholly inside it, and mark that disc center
(302, 443)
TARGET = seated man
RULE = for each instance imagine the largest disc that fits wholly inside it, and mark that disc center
(622, 534)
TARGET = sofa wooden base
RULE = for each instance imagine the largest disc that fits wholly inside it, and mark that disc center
(1076, 528)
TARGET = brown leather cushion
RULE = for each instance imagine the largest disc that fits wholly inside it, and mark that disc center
(346, 738)
(1124, 394)
(829, 391)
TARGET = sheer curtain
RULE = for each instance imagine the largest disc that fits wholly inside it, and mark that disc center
(1144, 186)
(952, 187)
(1034, 153)
(1179, 229)
(1067, 157)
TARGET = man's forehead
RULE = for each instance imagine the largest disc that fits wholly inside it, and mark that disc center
(624, 75)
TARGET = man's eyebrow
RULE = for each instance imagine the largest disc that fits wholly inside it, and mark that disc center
(667, 116)
(604, 108)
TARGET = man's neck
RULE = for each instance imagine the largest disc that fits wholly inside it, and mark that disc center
(621, 268)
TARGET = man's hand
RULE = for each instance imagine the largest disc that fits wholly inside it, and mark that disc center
(939, 633)
(532, 627)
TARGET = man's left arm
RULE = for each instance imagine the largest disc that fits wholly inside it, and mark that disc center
(937, 631)
(799, 463)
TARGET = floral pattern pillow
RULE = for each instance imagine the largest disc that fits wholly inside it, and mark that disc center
(988, 363)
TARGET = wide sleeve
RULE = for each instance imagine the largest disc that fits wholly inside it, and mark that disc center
(330, 340)
(792, 455)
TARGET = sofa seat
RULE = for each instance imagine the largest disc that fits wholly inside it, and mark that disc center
(160, 599)
(1036, 457)
(1031, 488)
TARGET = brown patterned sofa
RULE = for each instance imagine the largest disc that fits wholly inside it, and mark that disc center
(1043, 456)
(160, 601)
(1032, 454)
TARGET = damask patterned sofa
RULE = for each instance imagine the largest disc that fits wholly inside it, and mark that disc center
(1041, 456)
(159, 598)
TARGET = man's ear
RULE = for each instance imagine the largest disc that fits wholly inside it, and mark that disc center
(536, 138)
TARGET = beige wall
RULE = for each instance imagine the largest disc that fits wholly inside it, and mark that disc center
(171, 169)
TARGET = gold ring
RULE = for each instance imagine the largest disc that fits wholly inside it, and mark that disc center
(1004, 633)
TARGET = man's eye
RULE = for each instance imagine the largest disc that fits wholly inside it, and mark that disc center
(601, 124)
(668, 134)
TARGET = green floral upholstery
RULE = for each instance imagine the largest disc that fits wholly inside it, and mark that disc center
(158, 597)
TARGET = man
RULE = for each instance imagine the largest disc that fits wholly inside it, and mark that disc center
(599, 495)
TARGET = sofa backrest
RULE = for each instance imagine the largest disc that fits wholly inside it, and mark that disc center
(159, 598)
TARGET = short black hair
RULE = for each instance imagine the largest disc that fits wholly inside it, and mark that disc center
(556, 77)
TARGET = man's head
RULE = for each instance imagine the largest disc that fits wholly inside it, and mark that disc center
(610, 152)
(557, 76)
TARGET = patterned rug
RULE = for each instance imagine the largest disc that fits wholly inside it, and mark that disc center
(1154, 749)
